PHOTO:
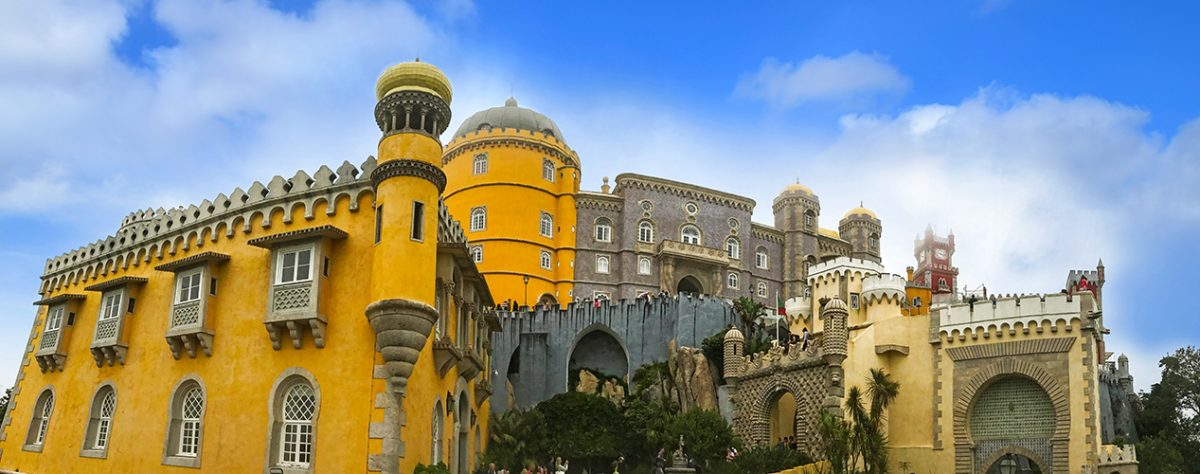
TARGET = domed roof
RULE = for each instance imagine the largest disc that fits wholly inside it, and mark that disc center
(860, 210)
(797, 187)
(414, 75)
(733, 334)
(510, 116)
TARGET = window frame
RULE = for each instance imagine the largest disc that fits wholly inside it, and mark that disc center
(732, 281)
(546, 225)
(606, 268)
(645, 231)
(281, 258)
(198, 274)
(733, 247)
(683, 234)
(546, 260)
(39, 420)
(648, 267)
(479, 164)
(277, 426)
(603, 230)
(177, 426)
(110, 305)
(762, 290)
(548, 170)
(99, 426)
(481, 212)
(476, 253)
(762, 259)
(54, 315)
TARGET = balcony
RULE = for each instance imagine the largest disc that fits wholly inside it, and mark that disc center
(187, 332)
(445, 354)
(693, 252)
(60, 318)
(188, 328)
(293, 309)
(294, 303)
(116, 305)
(470, 364)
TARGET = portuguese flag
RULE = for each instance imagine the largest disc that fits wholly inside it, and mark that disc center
(779, 305)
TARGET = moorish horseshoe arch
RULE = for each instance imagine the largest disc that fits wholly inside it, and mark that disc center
(759, 422)
(964, 452)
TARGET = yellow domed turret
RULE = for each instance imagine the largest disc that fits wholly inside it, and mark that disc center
(860, 210)
(797, 187)
(414, 75)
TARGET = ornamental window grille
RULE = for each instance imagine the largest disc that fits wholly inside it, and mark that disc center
(733, 248)
(643, 265)
(40, 424)
(478, 219)
(100, 422)
(603, 230)
(481, 164)
(54, 319)
(546, 260)
(762, 290)
(690, 234)
(111, 308)
(760, 258)
(732, 281)
(296, 442)
(602, 264)
(646, 232)
(477, 253)
(189, 426)
(546, 227)
(295, 265)
(188, 286)
(548, 170)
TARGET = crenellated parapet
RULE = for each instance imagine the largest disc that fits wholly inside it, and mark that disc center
(775, 359)
(883, 288)
(999, 317)
(842, 266)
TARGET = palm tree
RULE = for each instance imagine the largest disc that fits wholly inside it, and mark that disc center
(748, 311)
(861, 435)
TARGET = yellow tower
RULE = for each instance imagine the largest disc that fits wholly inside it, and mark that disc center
(513, 180)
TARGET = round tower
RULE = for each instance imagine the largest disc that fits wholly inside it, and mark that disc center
(413, 109)
(834, 340)
(734, 349)
(797, 213)
(512, 181)
(862, 229)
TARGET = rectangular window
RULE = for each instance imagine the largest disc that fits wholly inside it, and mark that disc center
(189, 440)
(295, 265)
(418, 221)
(189, 286)
(297, 444)
(111, 307)
(761, 260)
(477, 253)
(212, 287)
(545, 260)
(854, 300)
(54, 320)
(378, 223)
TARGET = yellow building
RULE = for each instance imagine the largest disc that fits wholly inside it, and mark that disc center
(330, 322)
(513, 180)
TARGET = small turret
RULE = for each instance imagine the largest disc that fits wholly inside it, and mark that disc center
(862, 229)
(734, 348)
(834, 340)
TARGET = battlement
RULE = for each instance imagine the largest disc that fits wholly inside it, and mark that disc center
(1111, 455)
(844, 265)
(884, 286)
(986, 316)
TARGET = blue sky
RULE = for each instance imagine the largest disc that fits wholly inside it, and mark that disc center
(1046, 134)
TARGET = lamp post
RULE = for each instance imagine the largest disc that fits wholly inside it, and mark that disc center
(526, 280)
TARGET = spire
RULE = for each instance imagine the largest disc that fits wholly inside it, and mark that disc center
(511, 102)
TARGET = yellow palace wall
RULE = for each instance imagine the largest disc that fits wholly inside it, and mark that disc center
(515, 195)
(239, 376)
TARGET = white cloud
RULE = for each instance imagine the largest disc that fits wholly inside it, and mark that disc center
(820, 78)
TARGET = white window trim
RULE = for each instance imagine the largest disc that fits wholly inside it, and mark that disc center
(54, 318)
(683, 235)
(546, 230)
(546, 259)
(551, 168)
(762, 290)
(482, 210)
(179, 279)
(762, 259)
(647, 225)
(732, 281)
(476, 252)
(480, 159)
(606, 227)
(117, 296)
(283, 251)
(733, 247)
(648, 269)
(607, 267)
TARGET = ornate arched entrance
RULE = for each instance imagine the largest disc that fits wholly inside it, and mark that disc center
(689, 284)
(782, 416)
(1012, 421)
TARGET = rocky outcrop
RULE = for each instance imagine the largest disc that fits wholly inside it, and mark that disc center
(613, 391)
(693, 378)
(608, 387)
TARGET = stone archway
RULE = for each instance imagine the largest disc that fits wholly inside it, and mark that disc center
(689, 284)
(781, 417)
(463, 423)
(598, 350)
(547, 299)
(1049, 443)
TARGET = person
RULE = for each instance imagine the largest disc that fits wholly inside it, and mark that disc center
(804, 337)
(525, 470)
(560, 466)
(491, 469)
(660, 461)
(618, 464)
(731, 454)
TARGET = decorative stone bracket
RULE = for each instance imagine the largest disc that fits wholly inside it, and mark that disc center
(445, 355)
(401, 329)
(470, 365)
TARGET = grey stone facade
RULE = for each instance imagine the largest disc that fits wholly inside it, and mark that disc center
(534, 350)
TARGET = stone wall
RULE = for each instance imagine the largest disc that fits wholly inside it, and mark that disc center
(537, 344)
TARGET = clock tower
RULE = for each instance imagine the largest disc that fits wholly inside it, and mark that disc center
(935, 262)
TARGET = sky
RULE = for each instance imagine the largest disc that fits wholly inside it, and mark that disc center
(1046, 135)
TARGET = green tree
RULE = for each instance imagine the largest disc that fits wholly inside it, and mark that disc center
(1159, 455)
(516, 438)
(860, 437)
(586, 429)
(650, 427)
(1168, 417)
(4, 402)
(706, 435)
(761, 460)
(749, 311)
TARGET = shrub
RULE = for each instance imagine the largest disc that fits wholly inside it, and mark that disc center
(761, 460)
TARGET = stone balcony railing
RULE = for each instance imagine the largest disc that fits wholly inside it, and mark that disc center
(293, 309)
(695, 252)
(107, 346)
(50, 355)
(188, 331)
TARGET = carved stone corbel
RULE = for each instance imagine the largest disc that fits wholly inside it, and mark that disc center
(401, 329)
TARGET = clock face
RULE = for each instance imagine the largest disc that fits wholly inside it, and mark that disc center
(940, 254)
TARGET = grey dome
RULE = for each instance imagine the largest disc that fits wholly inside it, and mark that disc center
(509, 116)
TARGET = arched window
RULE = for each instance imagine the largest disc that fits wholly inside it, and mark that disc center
(643, 265)
(99, 426)
(185, 433)
(690, 234)
(481, 164)
(762, 290)
(478, 219)
(942, 284)
(733, 248)
(39, 425)
(548, 170)
(646, 232)
(603, 230)
(810, 220)
(435, 446)
(602, 264)
(732, 281)
(299, 409)
(546, 259)
(760, 258)
(477, 253)
(547, 225)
